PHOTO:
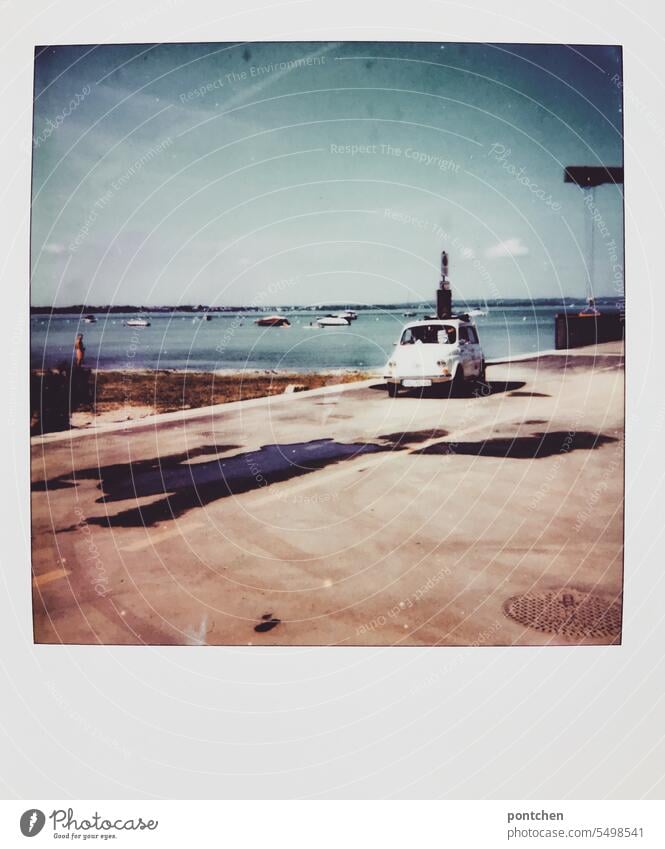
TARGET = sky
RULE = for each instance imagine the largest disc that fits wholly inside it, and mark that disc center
(301, 173)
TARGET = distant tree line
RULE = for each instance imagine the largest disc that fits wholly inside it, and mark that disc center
(82, 309)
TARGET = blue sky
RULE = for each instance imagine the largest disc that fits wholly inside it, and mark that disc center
(301, 173)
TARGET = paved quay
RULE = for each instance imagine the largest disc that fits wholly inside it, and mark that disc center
(344, 517)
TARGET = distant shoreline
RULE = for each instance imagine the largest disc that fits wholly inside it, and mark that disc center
(82, 309)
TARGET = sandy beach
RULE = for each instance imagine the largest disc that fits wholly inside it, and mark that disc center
(339, 516)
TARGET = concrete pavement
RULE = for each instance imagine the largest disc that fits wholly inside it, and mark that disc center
(344, 517)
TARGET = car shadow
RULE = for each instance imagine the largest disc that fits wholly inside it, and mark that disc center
(470, 390)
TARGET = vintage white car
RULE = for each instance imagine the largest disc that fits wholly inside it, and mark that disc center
(436, 351)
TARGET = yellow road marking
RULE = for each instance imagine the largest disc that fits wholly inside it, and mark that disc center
(47, 577)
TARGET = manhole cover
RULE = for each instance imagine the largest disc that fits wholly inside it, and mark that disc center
(568, 612)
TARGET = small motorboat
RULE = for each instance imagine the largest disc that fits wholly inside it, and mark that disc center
(410, 314)
(476, 311)
(137, 322)
(273, 321)
(90, 318)
(333, 321)
(349, 315)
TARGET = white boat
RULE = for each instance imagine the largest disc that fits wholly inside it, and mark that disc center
(90, 319)
(476, 312)
(137, 322)
(349, 315)
(333, 321)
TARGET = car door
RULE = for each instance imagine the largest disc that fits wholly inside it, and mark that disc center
(466, 352)
(475, 351)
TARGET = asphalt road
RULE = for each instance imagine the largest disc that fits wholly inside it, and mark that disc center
(344, 517)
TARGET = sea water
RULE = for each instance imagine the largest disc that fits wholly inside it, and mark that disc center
(233, 340)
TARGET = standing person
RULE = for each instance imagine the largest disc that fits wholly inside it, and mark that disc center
(79, 350)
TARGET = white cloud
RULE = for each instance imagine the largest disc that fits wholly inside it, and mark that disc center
(54, 248)
(509, 247)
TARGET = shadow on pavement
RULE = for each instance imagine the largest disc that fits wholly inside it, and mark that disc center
(523, 447)
(181, 485)
(529, 395)
(118, 472)
(187, 485)
(469, 390)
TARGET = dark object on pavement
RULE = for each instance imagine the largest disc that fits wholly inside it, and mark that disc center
(266, 626)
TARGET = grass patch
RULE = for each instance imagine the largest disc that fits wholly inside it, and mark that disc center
(167, 391)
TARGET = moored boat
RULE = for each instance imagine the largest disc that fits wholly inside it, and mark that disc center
(273, 321)
(137, 322)
(333, 321)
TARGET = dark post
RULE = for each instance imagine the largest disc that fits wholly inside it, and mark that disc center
(444, 296)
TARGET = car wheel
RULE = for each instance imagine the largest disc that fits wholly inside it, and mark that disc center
(482, 386)
(458, 384)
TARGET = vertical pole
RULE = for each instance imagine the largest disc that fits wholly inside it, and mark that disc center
(592, 246)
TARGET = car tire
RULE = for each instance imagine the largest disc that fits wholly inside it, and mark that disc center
(458, 384)
(482, 387)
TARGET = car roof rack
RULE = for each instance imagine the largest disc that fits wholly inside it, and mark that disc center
(458, 316)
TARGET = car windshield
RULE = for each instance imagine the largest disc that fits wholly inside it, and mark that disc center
(429, 334)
